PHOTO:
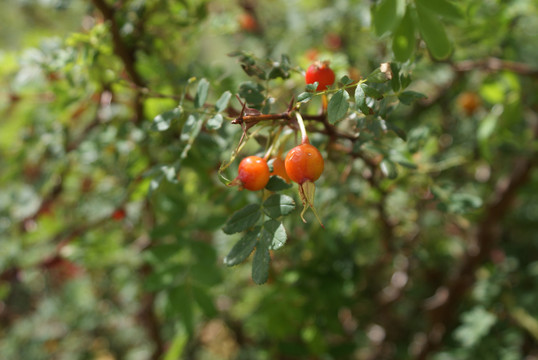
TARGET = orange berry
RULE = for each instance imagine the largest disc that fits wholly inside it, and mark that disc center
(304, 163)
(253, 173)
(248, 22)
(469, 102)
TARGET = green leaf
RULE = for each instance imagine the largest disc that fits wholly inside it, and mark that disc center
(403, 40)
(274, 233)
(177, 346)
(163, 121)
(433, 33)
(462, 203)
(252, 92)
(215, 122)
(204, 301)
(443, 8)
(276, 183)
(304, 97)
(371, 92)
(223, 101)
(278, 205)
(387, 15)
(476, 325)
(191, 128)
(408, 97)
(388, 168)
(377, 76)
(360, 100)
(395, 81)
(205, 274)
(260, 263)
(180, 303)
(243, 219)
(345, 80)
(311, 87)
(201, 93)
(397, 130)
(242, 249)
(338, 106)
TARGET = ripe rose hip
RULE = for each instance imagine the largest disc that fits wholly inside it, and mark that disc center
(279, 169)
(469, 102)
(320, 72)
(253, 173)
(304, 163)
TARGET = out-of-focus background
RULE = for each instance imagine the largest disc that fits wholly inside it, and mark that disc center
(111, 217)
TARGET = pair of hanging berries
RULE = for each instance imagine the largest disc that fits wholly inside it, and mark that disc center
(303, 163)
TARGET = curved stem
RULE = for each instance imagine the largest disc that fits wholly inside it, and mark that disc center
(304, 135)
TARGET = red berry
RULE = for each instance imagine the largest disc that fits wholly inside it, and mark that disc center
(304, 163)
(320, 72)
(248, 22)
(279, 169)
(118, 214)
(253, 173)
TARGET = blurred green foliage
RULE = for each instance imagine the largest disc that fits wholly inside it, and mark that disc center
(116, 225)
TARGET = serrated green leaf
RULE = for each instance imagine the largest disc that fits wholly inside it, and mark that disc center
(403, 41)
(276, 183)
(360, 100)
(243, 248)
(433, 33)
(408, 97)
(304, 97)
(215, 122)
(201, 93)
(345, 80)
(204, 301)
(274, 233)
(242, 219)
(223, 101)
(371, 92)
(388, 168)
(163, 121)
(443, 8)
(260, 263)
(377, 76)
(278, 205)
(387, 15)
(338, 106)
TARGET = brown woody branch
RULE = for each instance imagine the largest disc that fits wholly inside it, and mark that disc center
(495, 64)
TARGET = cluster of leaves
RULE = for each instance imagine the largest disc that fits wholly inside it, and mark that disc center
(402, 21)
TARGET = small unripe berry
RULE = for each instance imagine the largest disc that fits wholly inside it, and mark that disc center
(253, 173)
(304, 163)
(320, 72)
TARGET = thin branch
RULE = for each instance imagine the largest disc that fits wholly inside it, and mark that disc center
(495, 64)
